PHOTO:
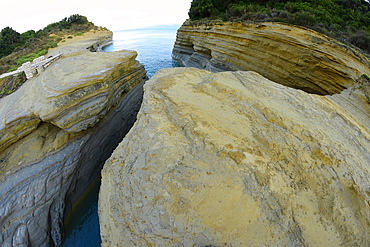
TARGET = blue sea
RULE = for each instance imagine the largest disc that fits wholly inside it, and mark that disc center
(154, 46)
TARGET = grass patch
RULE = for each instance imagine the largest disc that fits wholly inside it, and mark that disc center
(10, 84)
(12, 68)
(31, 56)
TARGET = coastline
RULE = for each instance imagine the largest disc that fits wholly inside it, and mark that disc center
(100, 37)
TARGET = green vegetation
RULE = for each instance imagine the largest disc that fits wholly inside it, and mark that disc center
(364, 82)
(9, 39)
(16, 48)
(11, 83)
(345, 20)
(30, 56)
(79, 34)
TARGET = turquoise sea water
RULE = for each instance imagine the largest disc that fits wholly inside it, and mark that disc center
(154, 46)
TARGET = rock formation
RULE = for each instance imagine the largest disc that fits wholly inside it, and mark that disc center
(57, 130)
(234, 159)
(290, 55)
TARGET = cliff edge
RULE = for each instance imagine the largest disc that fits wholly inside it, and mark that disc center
(57, 130)
(290, 55)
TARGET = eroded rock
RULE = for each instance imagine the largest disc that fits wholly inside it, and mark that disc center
(56, 131)
(290, 55)
(234, 159)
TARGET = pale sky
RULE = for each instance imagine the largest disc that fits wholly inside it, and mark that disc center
(24, 15)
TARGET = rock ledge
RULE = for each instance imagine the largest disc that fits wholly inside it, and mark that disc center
(290, 55)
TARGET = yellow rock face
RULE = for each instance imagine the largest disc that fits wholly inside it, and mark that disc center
(73, 93)
(286, 54)
(234, 159)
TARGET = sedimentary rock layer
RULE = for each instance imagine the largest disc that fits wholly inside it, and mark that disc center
(74, 93)
(234, 159)
(55, 133)
(293, 56)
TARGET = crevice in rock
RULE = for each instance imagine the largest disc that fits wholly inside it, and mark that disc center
(45, 167)
(49, 170)
(105, 137)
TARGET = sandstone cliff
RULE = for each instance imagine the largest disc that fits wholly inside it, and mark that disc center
(286, 54)
(57, 130)
(234, 159)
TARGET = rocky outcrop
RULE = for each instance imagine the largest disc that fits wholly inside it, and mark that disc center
(57, 130)
(234, 159)
(293, 56)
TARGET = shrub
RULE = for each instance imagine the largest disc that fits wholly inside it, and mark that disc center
(303, 18)
(8, 41)
(239, 9)
(78, 19)
(12, 68)
(29, 35)
(29, 57)
(10, 84)
(202, 9)
(361, 39)
(79, 34)
(51, 44)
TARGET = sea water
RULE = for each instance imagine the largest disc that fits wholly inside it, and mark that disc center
(82, 225)
(154, 46)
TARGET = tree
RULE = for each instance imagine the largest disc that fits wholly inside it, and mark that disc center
(10, 36)
(78, 19)
(8, 41)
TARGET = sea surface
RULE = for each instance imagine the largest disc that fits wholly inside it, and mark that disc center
(154, 46)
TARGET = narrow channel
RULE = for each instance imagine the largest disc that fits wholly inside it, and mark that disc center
(154, 46)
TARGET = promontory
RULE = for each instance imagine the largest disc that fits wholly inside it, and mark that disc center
(57, 130)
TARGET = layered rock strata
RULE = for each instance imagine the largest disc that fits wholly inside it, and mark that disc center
(234, 159)
(290, 55)
(57, 130)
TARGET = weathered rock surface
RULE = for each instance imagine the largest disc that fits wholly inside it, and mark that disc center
(234, 159)
(55, 133)
(289, 55)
